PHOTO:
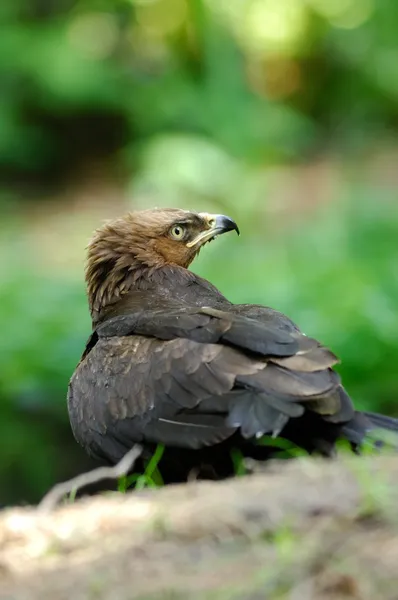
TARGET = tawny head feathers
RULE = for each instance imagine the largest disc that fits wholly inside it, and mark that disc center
(123, 250)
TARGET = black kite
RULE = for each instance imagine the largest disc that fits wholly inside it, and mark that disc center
(172, 361)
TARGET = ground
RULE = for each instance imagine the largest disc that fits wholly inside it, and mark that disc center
(305, 529)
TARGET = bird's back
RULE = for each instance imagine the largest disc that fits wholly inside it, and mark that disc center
(161, 369)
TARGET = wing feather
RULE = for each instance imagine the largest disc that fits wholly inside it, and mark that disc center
(191, 376)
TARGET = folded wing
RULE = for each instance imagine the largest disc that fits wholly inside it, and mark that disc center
(191, 377)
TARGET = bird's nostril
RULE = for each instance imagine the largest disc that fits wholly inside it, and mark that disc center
(212, 222)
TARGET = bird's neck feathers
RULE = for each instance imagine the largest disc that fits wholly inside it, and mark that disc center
(109, 278)
(134, 287)
(129, 283)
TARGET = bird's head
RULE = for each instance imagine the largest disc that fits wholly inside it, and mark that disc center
(148, 239)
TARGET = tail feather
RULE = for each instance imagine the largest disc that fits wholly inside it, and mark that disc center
(371, 425)
(382, 421)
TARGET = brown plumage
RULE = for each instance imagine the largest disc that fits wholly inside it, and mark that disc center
(172, 361)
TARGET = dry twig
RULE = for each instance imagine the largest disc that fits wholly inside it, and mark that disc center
(56, 493)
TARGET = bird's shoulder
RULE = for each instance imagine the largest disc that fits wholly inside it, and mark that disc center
(264, 314)
(251, 329)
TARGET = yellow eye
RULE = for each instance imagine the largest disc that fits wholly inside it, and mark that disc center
(177, 232)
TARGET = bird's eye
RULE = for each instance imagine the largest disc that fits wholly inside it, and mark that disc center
(177, 232)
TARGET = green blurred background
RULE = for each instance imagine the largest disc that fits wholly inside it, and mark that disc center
(282, 114)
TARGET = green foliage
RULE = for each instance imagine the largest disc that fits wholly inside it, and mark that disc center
(151, 477)
(326, 73)
(44, 326)
(283, 448)
(238, 462)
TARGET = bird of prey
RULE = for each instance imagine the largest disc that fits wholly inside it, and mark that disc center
(171, 361)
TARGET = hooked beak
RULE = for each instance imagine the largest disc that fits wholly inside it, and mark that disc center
(217, 224)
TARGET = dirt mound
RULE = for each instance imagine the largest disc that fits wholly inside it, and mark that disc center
(301, 530)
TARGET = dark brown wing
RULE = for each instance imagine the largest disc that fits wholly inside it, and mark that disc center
(191, 377)
(155, 386)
